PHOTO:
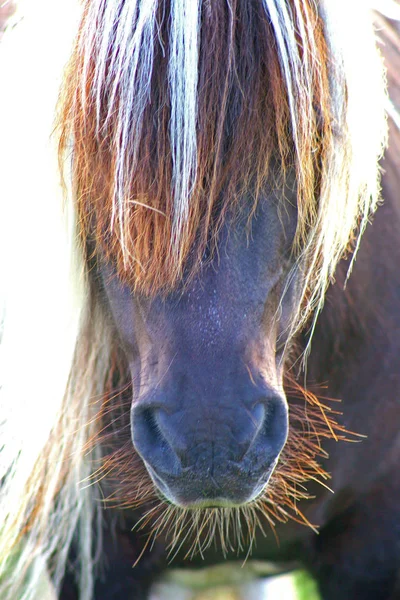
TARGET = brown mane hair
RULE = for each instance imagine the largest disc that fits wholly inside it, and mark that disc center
(243, 128)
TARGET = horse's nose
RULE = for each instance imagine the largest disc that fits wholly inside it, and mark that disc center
(237, 447)
(155, 440)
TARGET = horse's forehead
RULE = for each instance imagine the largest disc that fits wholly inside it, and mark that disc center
(251, 253)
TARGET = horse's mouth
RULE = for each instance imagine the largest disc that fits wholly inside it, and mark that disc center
(197, 494)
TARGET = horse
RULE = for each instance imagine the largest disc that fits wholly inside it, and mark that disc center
(185, 185)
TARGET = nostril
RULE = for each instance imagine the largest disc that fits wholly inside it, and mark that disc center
(258, 415)
(151, 442)
(276, 422)
(270, 420)
(151, 428)
(247, 435)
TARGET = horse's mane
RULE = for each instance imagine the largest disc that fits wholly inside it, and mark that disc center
(170, 113)
(179, 110)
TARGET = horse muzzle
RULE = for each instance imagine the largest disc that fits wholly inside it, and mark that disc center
(218, 455)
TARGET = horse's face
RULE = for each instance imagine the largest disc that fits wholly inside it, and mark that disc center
(209, 415)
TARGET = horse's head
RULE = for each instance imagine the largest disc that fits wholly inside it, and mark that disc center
(218, 176)
(209, 415)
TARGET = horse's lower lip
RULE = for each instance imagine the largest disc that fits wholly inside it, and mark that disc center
(215, 503)
(186, 497)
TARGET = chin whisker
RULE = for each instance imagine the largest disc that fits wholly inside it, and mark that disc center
(128, 486)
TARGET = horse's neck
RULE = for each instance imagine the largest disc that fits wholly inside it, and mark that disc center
(363, 316)
(355, 355)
